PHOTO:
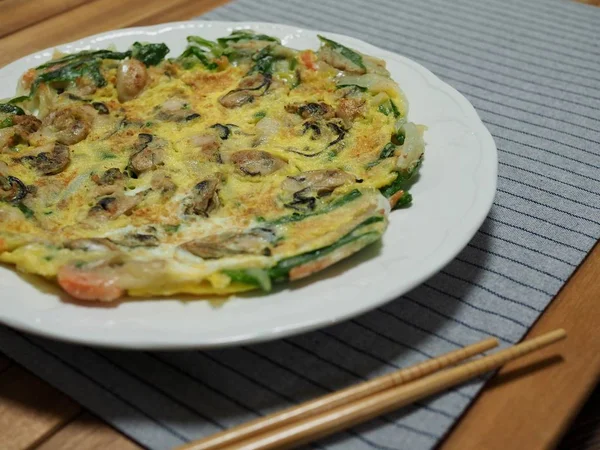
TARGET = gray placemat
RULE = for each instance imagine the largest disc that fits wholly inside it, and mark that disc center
(532, 70)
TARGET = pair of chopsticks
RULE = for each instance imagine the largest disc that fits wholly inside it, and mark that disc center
(339, 410)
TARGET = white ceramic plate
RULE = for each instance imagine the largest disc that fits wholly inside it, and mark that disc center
(451, 199)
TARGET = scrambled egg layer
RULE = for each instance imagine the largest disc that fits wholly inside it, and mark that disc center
(204, 178)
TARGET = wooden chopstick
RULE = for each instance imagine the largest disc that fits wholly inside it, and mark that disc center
(317, 425)
(335, 399)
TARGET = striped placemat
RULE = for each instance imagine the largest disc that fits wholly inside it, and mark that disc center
(532, 70)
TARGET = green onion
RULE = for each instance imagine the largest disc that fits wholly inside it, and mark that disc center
(196, 52)
(6, 122)
(107, 155)
(385, 109)
(388, 108)
(245, 35)
(395, 109)
(400, 184)
(28, 213)
(347, 198)
(283, 267)
(171, 228)
(19, 99)
(347, 53)
(149, 54)
(387, 151)
(8, 108)
(252, 277)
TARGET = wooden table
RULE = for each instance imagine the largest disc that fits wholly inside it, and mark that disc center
(528, 405)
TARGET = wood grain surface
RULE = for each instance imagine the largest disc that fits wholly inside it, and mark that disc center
(30, 410)
(531, 402)
(94, 17)
(87, 432)
(528, 405)
(16, 17)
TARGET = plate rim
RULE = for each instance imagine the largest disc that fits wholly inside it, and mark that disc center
(487, 142)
